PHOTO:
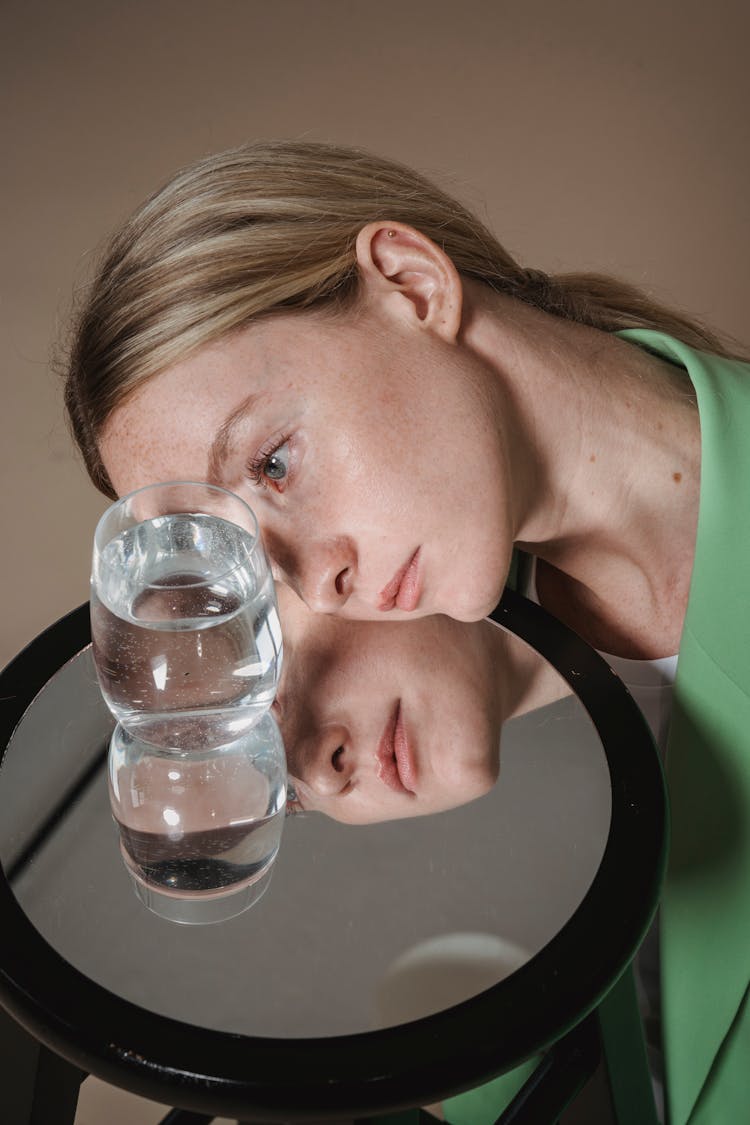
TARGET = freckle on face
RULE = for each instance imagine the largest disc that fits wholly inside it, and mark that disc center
(677, 477)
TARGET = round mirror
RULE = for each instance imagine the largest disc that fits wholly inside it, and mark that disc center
(364, 925)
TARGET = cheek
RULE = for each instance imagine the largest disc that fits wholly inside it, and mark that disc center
(279, 548)
(468, 758)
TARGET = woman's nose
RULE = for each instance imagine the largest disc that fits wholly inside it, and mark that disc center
(327, 762)
(325, 576)
(322, 572)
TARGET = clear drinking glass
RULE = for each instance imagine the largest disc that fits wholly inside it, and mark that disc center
(187, 647)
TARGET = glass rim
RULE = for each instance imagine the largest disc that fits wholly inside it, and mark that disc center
(100, 542)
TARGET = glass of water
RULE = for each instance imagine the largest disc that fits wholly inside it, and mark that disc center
(187, 647)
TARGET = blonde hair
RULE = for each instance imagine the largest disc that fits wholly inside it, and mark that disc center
(271, 227)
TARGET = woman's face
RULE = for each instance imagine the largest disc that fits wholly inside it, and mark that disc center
(383, 721)
(368, 448)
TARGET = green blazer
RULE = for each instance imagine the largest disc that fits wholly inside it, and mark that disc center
(705, 908)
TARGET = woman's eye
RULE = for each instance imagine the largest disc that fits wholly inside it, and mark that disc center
(271, 465)
(277, 464)
(293, 804)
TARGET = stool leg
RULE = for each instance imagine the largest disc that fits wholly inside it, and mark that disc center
(625, 1056)
(37, 1087)
(557, 1079)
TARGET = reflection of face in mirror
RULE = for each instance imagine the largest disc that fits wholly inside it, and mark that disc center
(391, 720)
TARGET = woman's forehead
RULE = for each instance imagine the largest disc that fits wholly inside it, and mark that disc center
(156, 434)
(170, 422)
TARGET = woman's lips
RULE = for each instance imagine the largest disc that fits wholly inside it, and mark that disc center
(404, 589)
(396, 765)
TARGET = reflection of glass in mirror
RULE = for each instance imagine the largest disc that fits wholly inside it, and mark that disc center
(198, 827)
(184, 622)
(398, 719)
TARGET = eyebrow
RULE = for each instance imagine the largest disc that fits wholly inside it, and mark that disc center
(225, 435)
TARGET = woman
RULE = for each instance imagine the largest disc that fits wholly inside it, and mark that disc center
(341, 289)
(376, 728)
(402, 404)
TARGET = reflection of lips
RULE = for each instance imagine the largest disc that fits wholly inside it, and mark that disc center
(404, 589)
(396, 766)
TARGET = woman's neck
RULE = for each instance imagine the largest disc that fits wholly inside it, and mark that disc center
(604, 447)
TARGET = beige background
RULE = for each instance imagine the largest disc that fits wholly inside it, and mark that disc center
(590, 134)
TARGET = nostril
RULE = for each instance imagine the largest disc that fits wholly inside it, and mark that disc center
(342, 581)
(336, 762)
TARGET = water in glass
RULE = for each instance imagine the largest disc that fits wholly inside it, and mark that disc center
(188, 656)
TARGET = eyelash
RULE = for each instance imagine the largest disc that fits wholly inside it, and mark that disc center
(293, 803)
(256, 467)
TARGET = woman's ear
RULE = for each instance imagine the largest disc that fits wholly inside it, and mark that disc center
(411, 277)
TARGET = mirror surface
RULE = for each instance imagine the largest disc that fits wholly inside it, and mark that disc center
(362, 925)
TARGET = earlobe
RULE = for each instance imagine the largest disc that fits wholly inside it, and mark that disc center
(411, 276)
